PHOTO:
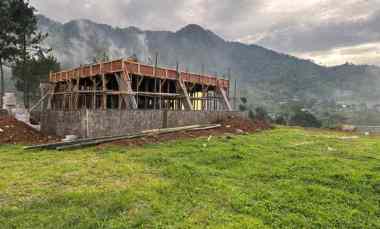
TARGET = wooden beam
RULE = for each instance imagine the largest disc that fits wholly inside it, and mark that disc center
(192, 86)
(51, 97)
(94, 95)
(76, 95)
(126, 84)
(159, 94)
(139, 82)
(104, 95)
(122, 87)
(226, 102)
(188, 105)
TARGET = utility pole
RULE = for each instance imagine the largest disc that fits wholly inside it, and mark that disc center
(178, 102)
(2, 84)
(235, 95)
(229, 81)
(155, 80)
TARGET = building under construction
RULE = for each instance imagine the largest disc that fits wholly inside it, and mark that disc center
(129, 85)
(124, 96)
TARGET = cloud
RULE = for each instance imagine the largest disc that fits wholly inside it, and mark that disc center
(298, 27)
(359, 54)
(325, 35)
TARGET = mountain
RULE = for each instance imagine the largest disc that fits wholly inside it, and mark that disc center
(265, 76)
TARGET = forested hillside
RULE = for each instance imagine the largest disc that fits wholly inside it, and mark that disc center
(266, 77)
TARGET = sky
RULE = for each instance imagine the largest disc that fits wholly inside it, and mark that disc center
(329, 32)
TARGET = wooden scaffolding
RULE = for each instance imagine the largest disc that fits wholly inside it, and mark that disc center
(126, 84)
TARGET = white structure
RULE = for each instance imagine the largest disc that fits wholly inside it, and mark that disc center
(9, 101)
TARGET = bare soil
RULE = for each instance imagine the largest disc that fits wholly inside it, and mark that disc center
(231, 126)
(13, 131)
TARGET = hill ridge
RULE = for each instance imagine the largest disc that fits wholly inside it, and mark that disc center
(266, 76)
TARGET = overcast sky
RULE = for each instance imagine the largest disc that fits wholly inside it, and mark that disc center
(328, 31)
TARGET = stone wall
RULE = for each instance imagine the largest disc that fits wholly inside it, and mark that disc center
(186, 118)
(88, 123)
(115, 122)
(63, 123)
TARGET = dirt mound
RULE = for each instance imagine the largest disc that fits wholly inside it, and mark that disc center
(230, 126)
(13, 131)
(246, 125)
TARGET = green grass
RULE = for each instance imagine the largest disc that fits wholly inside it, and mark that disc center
(283, 178)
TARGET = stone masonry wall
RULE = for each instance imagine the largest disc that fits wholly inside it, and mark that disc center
(87, 123)
(63, 123)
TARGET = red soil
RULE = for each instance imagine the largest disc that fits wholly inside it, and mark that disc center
(231, 126)
(13, 131)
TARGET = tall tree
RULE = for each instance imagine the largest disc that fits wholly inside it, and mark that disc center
(28, 38)
(38, 68)
(8, 42)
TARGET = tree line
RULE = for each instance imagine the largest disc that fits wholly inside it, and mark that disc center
(291, 116)
(22, 50)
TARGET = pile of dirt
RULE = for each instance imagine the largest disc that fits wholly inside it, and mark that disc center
(13, 131)
(231, 127)
(246, 125)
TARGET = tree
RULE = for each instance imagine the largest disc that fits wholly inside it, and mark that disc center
(280, 120)
(100, 57)
(243, 106)
(261, 114)
(332, 120)
(28, 38)
(305, 119)
(19, 39)
(38, 67)
(8, 41)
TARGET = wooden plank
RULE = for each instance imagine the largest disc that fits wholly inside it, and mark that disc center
(226, 102)
(51, 97)
(76, 94)
(125, 84)
(188, 105)
(104, 97)
(118, 66)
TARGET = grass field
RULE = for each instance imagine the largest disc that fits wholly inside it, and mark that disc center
(283, 178)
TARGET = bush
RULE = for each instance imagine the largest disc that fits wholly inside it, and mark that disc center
(305, 119)
(242, 107)
(261, 114)
(280, 120)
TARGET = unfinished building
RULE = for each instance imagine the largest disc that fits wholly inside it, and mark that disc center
(125, 96)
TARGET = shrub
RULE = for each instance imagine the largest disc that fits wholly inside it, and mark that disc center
(305, 119)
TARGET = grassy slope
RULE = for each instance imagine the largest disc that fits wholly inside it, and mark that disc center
(280, 178)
